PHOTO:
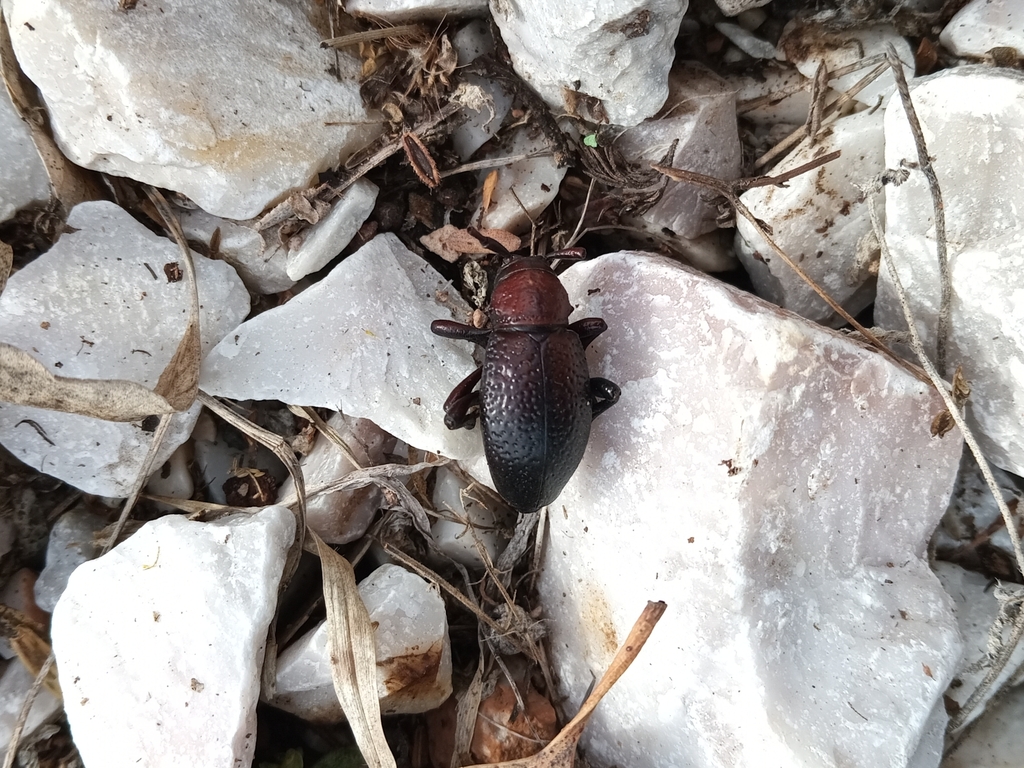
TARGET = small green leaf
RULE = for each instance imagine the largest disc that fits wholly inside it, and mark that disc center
(590, 140)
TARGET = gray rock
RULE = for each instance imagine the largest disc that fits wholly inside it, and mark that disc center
(971, 117)
(160, 642)
(619, 51)
(98, 305)
(230, 103)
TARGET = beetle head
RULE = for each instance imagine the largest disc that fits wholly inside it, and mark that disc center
(528, 292)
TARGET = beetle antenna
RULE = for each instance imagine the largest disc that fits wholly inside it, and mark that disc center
(489, 242)
(533, 223)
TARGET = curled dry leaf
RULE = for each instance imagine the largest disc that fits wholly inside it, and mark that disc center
(561, 752)
(353, 656)
(450, 242)
(25, 381)
(943, 421)
(179, 381)
(28, 641)
(420, 160)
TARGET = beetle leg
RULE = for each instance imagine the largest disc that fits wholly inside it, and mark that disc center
(588, 329)
(461, 401)
(452, 330)
(603, 395)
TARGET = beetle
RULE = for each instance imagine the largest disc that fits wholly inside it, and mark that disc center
(536, 399)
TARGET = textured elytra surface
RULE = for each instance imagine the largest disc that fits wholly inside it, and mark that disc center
(535, 413)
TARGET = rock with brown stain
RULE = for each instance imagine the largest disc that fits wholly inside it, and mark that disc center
(414, 665)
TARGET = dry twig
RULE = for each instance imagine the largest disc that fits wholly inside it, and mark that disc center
(939, 210)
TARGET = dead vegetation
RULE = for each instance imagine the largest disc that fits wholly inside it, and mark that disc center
(410, 75)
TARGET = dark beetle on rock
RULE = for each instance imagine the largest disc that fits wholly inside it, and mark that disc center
(536, 398)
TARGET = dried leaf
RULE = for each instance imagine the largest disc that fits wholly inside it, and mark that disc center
(179, 382)
(561, 752)
(25, 381)
(28, 641)
(961, 390)
(6, 262)
(420, 160)
(71, 183)
(353, 656)
(490, 183)
(942, 424)
(449, 242)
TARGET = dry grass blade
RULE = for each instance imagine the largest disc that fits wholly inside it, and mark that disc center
(6, 262)
(26, 707)
(279, 446)
(179, 382)
(801, 133)
(370, 35)
(561, 752)
(71, 183)
(140, 481)
(25, 381)
(353, 656)
(275, 443)
(331, 434)
(466, 714)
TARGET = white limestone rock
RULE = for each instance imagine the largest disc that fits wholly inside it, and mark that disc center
(736, 7)
(973, 123)
(701, 114)
(976, 609)
(821, 219)
(468, 521)
(406, 11)
(535, 181)
(160, 642)
(783, 517)
(23, 177)
(266, 264)
(173, 479)
(933, 740)
(342, 516)
(358, 341)
(479, 125)
(752, 45)
(71, 543)
(997, 741)
(755, 95)
(982, 25)
(98, 305)
(619, 52)
(806, 44)
(262, 266)
(414, 665)
(231, 103)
